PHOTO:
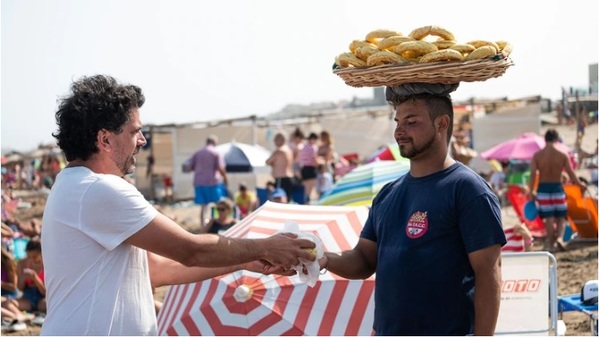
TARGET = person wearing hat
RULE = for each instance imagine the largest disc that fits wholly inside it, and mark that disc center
(279, 196)
(433, 236)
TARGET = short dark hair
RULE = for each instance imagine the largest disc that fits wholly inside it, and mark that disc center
(551, 135)
(436, 106)
(95, 103)
(212, 139)
(298, 133)
(34, 244)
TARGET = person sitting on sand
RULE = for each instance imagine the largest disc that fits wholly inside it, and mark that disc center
(13, 320)
(245, 200)
(224, 219)
(9, 276)
(30, 272)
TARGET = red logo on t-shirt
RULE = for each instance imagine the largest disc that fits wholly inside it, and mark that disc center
(417, 225)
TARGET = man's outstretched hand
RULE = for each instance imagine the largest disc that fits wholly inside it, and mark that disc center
(266, 268)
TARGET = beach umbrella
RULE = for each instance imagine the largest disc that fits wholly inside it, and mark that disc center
(362, 184)
(244, 303)
(242, 157)
(390, 152)
(12, 158)
(521, 148)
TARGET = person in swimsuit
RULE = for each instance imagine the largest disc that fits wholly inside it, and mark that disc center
(308, 160)
(31, 278)
(9, 276)
(548, 164)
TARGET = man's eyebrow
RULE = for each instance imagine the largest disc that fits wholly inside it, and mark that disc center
(406, 117)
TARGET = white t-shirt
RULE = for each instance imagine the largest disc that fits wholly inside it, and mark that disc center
(96, 284)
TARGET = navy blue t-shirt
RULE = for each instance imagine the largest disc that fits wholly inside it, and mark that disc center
(424, 228)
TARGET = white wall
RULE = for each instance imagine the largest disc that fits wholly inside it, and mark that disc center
(501, 126)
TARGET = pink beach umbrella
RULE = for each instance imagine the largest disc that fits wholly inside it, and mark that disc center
(521, 148)
(244, 303)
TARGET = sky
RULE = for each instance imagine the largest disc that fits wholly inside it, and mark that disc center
(202, 61)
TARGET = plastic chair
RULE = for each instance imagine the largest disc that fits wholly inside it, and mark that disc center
(529, 301)
(518, 199)
(261, 194)
(298, 195)
(582, 212)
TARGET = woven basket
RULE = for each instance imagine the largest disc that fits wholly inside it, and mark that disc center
(435, 72)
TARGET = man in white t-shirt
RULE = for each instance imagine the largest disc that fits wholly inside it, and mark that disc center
(104, 246)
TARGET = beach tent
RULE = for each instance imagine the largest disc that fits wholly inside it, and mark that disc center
(242, 157)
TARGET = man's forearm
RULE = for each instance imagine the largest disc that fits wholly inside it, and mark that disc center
(487, 304)
(165, 271)
(349, 264)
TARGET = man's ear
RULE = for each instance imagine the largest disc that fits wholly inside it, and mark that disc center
(442, 122)
(102, 139)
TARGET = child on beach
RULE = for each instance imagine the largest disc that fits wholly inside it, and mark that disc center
(31, 278)
(324, 180)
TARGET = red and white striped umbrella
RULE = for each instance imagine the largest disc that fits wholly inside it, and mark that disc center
(247, 303)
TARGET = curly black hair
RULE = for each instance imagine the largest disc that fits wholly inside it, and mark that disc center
(95, 103)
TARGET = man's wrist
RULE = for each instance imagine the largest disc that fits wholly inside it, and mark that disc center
(325, 267)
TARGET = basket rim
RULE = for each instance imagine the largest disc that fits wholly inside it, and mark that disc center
(447, 65)
(433, 72)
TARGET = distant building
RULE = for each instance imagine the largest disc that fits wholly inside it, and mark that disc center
(593, 74)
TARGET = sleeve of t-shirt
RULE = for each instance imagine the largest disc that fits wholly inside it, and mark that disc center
(221, 161)
(368, 231)
(481, 223)
(113, 210)
(192, 162)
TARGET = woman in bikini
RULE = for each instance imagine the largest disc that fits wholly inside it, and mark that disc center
(30, 272)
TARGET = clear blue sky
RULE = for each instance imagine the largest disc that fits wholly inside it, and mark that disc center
(207, 60)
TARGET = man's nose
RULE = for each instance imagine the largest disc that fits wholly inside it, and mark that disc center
(142, 140)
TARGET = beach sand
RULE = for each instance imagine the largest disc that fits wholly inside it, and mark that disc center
(576, 265)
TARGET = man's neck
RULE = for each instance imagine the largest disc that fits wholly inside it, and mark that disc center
(95, 165)
(425, 167)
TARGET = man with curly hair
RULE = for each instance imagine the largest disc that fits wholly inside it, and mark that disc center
(105, 247)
